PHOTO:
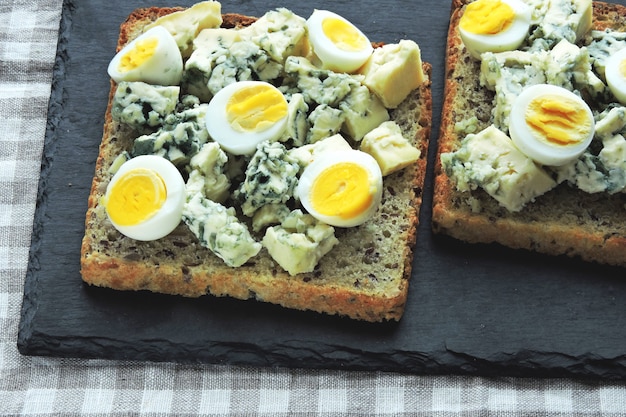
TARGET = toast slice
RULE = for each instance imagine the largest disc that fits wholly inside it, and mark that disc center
(365, 276)
(563, 221)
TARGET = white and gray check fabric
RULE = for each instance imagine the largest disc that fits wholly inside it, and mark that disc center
(36, 386)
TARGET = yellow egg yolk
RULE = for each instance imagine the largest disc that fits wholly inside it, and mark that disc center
(143, 50)
(136, 197)
(342, 190)
(558, 120)
(487, 17)
(255, 108)
(345, 36)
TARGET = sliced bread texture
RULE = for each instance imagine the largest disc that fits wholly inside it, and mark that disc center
(562, 221)
(365, 276)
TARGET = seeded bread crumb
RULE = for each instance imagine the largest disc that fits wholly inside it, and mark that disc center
(365, 277)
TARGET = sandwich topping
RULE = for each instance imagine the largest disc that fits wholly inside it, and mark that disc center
(558, 101)
(279, 131)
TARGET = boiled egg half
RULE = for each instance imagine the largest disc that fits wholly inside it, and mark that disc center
(246, 113)
(145, 198)
(338, 44)
(153, 57)
(550, 124)
(341, 188)
(494, 25)
(615, 73)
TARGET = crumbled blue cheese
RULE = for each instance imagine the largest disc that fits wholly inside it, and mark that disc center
(556, 20)
(224, 60)
(297, 123)
(270, 178)
(305, 154)
(280, 32)
(218, 229)
(299, 242)
(178, 140)
(603, 171)
(140, 105)
(319, 86)
(508, 73)
(206, 174)
(603, 44)
(363, 111)
(490, 160)
(270, 214)
(324, 121)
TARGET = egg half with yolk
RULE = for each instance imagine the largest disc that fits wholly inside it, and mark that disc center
(550, 124)
(615, 73)
(338, 44)
(341, 188)
(145, 198)
(153, 57)
(246, 113)
(494, 25)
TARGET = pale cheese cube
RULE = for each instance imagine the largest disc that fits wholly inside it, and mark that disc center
(390, 148)
(393, 71)
(299, 242)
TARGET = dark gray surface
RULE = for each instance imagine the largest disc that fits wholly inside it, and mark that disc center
(475, 309)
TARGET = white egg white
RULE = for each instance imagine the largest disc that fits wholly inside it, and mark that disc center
(163, 67)
(332, 56)
(169, 216)
(329, 159)
(230, 139)
(507, 40)
(615, 78)
(542, 152)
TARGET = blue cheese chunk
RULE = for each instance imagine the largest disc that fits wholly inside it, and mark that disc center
(490, 160)
(319, 86)
(140, 105)
(178, 140)
(604, 44)
(270, 178)
(305, 154)
(324, 121)
(218, 229)
(220, 60)
(604, 170)
(268, 215)
(281, 33)
(299, 242)
(297, 122)
(362, 112)
(556, 20)
(206, 174)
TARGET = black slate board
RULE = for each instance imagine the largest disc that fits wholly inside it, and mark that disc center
(472, 309)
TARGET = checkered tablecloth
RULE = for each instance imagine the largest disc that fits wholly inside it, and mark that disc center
(51, 386)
